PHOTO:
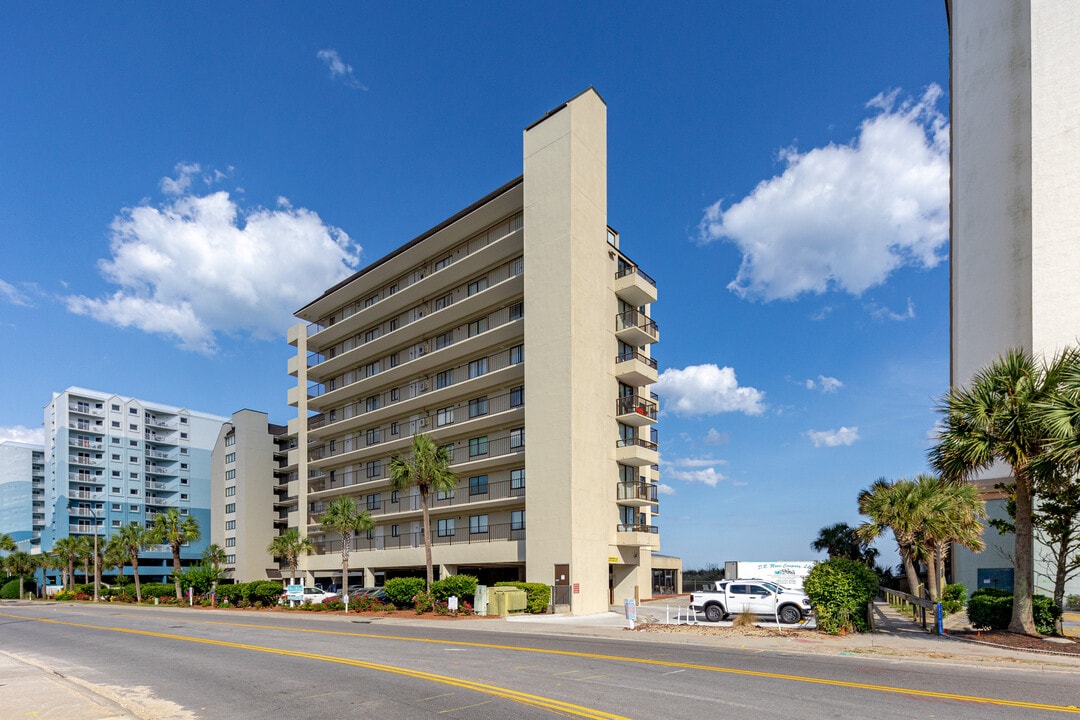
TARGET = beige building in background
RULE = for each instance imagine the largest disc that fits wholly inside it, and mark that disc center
(517, 334)
(249, 500)
(1015, 250)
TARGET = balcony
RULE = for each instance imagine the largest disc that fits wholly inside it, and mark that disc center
(88, 444)
(636, 451)
(84, 426)
(159, 501)
(81, 529)
(636, 328)
(153, 421)
(636, 368)
(84, 495)
(637, 535)
(638, 494)
(158, 438)
(85, 460)
(634, 286)
(83, 477)
(505, 532)
(160, 455)
(84, 409)
(636, 411)
(156, 486)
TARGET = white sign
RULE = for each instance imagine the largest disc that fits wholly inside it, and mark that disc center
(294, 592)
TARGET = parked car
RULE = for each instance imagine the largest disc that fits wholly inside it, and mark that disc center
(376, 593)
(313, 595)
(760, 597)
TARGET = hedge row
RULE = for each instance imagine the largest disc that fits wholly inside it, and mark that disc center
(992, 609)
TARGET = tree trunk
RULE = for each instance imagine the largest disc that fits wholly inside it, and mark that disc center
(135, 572)
(1061, 572)
(427, 538)
(176, 570)
(71, 574)
(912, 575)
(932, 590)
(1023, 621)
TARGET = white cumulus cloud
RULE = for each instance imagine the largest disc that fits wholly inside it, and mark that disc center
(11, 294)
(843, 217)
(339, 68)
(715, 437)
(706, 390)
(833, 438)
(824, 383)
(18, 433)
(707, 476)
(663, 489)
(199, 265)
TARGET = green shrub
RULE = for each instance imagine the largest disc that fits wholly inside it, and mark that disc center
(10, 590)
(993, 611)
(1072, 602)
(64, 595)
(991, 592)
(840, 590)
(422, 602)
(539, 595)
(464, 586)
(952, 598)
(401, 591)
(162, 591)
(263, 592)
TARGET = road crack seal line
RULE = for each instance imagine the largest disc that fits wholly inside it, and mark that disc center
(518, 696)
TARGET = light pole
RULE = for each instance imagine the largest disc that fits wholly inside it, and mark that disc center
(97, 570)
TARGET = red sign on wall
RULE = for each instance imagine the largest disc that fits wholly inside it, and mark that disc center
(577, 588)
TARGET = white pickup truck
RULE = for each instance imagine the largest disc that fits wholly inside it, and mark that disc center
(730, 597)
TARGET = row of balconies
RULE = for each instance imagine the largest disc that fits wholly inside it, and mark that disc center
(84, 443)
(503, 532)
(86, 409)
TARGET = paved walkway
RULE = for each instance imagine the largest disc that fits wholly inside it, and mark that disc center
(30, 690)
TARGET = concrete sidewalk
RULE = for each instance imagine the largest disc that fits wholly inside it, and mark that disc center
(30, 690)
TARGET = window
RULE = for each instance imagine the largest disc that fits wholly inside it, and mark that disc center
(517, 396)
(230, 524)
(133, 426)
(440, 264)
(393, 394)
(183, 481)
(374, 468)
(372, 436)
(478, 446)
(478, 406)
(394, 360)
(517, 311)
(393, 289)
(371, 335)
(517, 520)
(517, 354)
(477, 368)
(230, 440)
(116, 523)
(116, 507)
(371, 369)
(372, 403)
(230, 474)
(393, 496)
(116, 408)
(230, 507)
(183, 496)
(133, 476)
(445, 416)
(478, 524)
(116, 424)
(370, 301)
(444, 379)
(444, 301)
(183, 451)
(444, 495)
(134, 508)
(477, 285)
(478, 326)
(133, 411)
(395, 531)
(183, 421)
(230, 457)
(517, 479)
(230, 559)
(183, 436)
(444, 340)
(446, 527)
(392, 325)
(134, 491)
(133, 459)
(517, 438)
(393, 428)
(230, 491)
(116, 457)
(478, 485)
(133, 443)
(116, 441)
(373, 502)
(183, 466)
(230, 542)
(115, 489)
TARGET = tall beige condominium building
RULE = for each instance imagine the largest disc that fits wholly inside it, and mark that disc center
(249, 500)
(517, 334)
(1014, 253)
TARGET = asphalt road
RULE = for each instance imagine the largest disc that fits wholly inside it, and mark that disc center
(181, 664)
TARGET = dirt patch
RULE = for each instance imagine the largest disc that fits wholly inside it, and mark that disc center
(1014, 641)
(728, 632)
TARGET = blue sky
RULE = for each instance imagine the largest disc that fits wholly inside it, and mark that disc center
(176, 180)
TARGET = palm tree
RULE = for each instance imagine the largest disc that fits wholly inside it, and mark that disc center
(68, 548)
(173, 529)
(428, 468)
(291, 546)
(21, 564)
(115, 555)
(841, 540)
(342, 516)
(133, 538)
(951, 513)
(86, 553)
(1001, 416)
(215, 555)
(54, 561)
(894, 506)
(7, 543)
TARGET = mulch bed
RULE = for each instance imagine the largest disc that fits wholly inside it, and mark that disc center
(1014, 641)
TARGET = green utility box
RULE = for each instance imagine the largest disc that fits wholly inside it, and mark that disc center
(507, 601)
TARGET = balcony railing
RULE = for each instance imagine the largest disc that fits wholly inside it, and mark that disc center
(639, 442)
(88, 444)
(505, 532)
(156, 485)
(83, 460)
(636, 405)
(86, 409)
(157, 422)
(635, 270)
(83, 495)
(379, 504)
(633, 319)
(160, 455)
(160, 501)
(82, 529)
(458, 413)
(638, 528)
(86, 478)
(635, 355)
(638, 491)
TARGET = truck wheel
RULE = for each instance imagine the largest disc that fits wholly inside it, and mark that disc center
(790, 615)
(714, 613)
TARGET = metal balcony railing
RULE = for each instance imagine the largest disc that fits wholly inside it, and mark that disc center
(638, 528)
(504, 532)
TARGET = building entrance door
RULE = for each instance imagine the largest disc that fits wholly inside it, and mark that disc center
(560, 592)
